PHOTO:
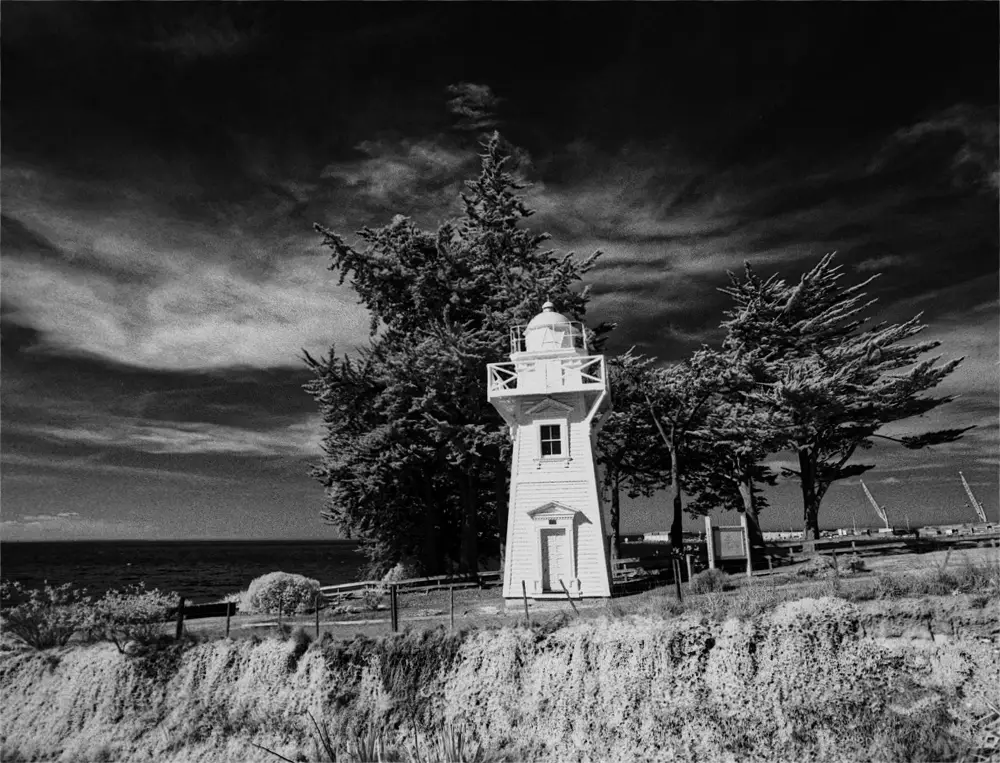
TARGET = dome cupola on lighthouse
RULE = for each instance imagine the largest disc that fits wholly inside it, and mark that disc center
(550, 331)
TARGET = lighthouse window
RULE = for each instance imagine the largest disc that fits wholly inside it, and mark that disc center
(551, 440)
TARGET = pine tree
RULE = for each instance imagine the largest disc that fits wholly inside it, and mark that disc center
(415, 458)
(835, 381)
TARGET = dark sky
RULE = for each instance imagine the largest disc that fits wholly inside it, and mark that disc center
(163, 164)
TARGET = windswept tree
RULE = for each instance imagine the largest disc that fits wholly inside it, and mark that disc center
(739, 431)
(834, 380)
(414, 455)
(629, 451)
(679, 400)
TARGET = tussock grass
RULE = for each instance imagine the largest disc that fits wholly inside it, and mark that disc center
(753, 673)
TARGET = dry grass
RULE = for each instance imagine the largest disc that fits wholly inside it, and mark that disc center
(778, 668)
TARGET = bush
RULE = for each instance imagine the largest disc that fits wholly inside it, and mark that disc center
(709, 581)
(819, 566)
(280, 592)
(134, 614)
(46, 617)
(855, 563)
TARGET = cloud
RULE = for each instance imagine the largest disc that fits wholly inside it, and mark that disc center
(92, 465)
(69, 525)
(406, 175)
(148, 304)
(879, 264)
(475, 105)
(299, 439)
(962, 140)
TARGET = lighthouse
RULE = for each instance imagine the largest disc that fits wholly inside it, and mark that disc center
(554, 396)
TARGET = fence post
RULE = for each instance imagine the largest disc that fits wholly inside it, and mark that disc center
(569, 598)
(710, 542)
(687, 558)
(451, 590)
(229, 609)
(180, 616)
(393, 607)
(746, 542)
(316, 607)
(677, 578)
(524, 595)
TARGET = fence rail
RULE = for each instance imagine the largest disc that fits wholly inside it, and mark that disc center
(433, 582)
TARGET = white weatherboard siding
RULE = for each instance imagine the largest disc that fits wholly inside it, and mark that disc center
(569, 482)
(553, 396)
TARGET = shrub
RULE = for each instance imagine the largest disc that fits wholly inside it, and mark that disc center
(709, 581)
(301, 639)
(371, 597)
(819, 566)
(280, 592)
(134, 614)
(855, 563)
(44, 617)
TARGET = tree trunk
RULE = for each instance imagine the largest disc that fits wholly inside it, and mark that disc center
(747, 493)
(469, 553)
(810, 499)
(616, 548)
(500, 487)
(431, 558)
(677, 526)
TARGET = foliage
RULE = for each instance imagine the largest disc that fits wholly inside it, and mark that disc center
(415, 457)
(833, 381)
(709, 580)
(45, 617)
(679, 398)
(976, 579)
(133, 614)
(855, 563)
(738, 432)
(629, 452)
(280, 592)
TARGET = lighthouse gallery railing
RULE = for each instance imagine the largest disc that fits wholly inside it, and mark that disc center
(527, 377)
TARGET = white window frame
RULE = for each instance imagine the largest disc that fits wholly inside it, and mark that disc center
(563, 424)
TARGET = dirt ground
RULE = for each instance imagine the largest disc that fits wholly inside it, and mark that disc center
(485, 607)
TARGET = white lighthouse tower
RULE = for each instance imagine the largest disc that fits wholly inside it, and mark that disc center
(554, 397)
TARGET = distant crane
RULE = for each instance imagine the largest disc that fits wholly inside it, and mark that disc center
(880, 510)
(972, 499)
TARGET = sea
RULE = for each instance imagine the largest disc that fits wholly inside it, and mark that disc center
(201, 571)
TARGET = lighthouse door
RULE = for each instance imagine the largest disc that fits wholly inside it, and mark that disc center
(555, 560)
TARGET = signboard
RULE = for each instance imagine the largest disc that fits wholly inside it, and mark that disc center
(729, 543)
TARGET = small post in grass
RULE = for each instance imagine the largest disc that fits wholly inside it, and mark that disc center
(393, 607)
(569, 598)
(180, 617)
(451, 590)
(281, 610)
(524, 595)
(316, 607)
(746, 543)
(687, 558)
(677, 578)
(229, 609)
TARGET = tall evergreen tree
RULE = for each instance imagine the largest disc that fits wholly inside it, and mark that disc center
(835, 381)
(415, 459)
